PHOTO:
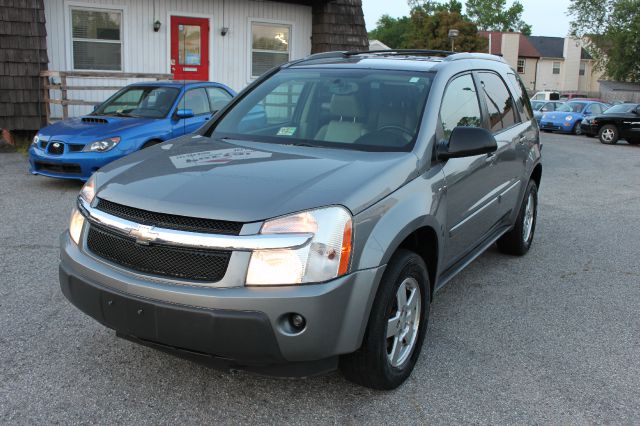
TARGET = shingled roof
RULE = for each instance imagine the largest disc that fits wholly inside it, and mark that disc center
(23, 54)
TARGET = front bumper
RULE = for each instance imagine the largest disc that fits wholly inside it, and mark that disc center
(555, 127)
(69, 165)
(589, 129)
(237, 327)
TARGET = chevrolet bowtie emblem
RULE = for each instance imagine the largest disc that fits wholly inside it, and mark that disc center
(144, 234)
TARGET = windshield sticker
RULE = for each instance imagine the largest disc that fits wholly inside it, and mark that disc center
(287, 131)
(218, 156)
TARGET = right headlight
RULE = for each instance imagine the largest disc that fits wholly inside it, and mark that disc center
(102, 145)
(325, 257)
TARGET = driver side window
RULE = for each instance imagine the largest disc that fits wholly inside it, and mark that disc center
(195, 100)
(460, 105)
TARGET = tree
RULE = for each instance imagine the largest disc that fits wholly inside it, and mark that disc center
(392, 31)
(428, 27)
(611, 30)
(493, 15)
(431, 29)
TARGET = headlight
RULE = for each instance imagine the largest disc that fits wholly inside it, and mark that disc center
(88, 191)
(75, 225)
(36, 139)
(101, 145)
(325, 257)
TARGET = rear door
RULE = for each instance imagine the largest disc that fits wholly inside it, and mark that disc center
(470, 187)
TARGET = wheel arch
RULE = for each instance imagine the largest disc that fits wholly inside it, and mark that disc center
(536, 174)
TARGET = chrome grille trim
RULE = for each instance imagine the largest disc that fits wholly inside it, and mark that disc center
(174, 237)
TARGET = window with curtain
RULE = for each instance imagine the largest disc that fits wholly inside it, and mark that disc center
(556, 67)
(270, 46)
(96, 39)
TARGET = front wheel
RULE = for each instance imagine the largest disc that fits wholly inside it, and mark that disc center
(608, 134)
(577, 130)
(518, 241)
(396, 328)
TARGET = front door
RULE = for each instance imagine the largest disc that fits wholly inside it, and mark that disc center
(189, 48)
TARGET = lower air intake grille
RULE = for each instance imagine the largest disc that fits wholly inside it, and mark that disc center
(170, 221)
(167, 261)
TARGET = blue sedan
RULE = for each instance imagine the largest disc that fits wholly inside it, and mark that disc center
(138, 116)
(567, 117)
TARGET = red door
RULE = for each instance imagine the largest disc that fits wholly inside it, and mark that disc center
(189, 48)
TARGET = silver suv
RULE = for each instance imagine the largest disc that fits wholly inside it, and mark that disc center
(309, 224)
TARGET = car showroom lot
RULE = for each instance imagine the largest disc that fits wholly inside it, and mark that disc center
(552, 337)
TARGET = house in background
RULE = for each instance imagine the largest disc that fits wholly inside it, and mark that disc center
(230, 41)
(547, 63)
(377, 45)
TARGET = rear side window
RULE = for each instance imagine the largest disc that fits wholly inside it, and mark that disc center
(522, 99)
(460, 106)
(499, 101)
(195, 100)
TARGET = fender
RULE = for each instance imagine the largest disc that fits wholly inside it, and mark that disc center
(380, 229)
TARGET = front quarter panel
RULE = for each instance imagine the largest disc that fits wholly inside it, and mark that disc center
(380, 229)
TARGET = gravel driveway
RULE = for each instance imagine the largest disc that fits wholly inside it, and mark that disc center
(553, 337)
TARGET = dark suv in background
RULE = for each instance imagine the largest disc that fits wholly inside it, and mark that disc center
(316, 238)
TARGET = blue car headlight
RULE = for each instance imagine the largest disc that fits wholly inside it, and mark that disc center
(102, 145)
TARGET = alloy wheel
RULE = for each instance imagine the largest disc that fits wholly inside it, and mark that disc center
(403, 323)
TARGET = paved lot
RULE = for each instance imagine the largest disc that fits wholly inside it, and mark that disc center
(553, 337)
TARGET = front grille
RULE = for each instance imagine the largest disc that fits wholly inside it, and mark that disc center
(75, 147)
(58, 168)
(156, 259)
(43, 144)
(55, 148)
(163, 220)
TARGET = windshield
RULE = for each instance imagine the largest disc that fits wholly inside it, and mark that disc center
(571, 107)
(622, 108)
(141, 101)
(360, 109)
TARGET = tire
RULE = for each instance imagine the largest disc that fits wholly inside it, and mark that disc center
(577, 130)
(151, 143)
(371, 365)
(518, 241)
(608, 134)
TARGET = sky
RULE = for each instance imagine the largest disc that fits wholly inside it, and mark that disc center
(548, 17)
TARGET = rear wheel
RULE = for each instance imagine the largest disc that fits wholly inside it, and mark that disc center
(396, 328)
(518, 241)
(608, 134)
(577, 130)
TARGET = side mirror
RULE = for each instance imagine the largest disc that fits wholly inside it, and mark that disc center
(184, 113)
(467, 142)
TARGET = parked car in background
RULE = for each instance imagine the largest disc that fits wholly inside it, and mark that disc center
(540, 107)
(136, 117)
(621, 121)
(546, 95)
(567, 117)
(572, 96)
(318, 239)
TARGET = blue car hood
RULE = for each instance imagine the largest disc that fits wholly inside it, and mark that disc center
(248, 181)
(90, 128)
(559, 117)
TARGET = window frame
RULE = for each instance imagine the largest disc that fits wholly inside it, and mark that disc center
(523, 66)
(267, 22)
(553, 68)
(582, 69)
(70, 7)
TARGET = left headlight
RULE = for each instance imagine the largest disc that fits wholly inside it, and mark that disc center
(325, 257)
(76, 222)
(88, 191)
(102, 145)
(36, 139)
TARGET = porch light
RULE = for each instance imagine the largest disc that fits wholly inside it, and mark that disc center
(156, 26)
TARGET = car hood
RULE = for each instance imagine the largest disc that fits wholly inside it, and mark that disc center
(90, 128)
(248, 181)
(560, 116)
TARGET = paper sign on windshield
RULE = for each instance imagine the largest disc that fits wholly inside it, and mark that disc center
(218, 156)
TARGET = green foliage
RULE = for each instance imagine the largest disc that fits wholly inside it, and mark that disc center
(428, 27)
(612, 31)
(393, 32)
(494, 15)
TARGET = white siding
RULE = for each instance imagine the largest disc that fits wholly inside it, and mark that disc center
(146, 51)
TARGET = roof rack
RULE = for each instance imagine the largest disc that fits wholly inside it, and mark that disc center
(398, 52)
